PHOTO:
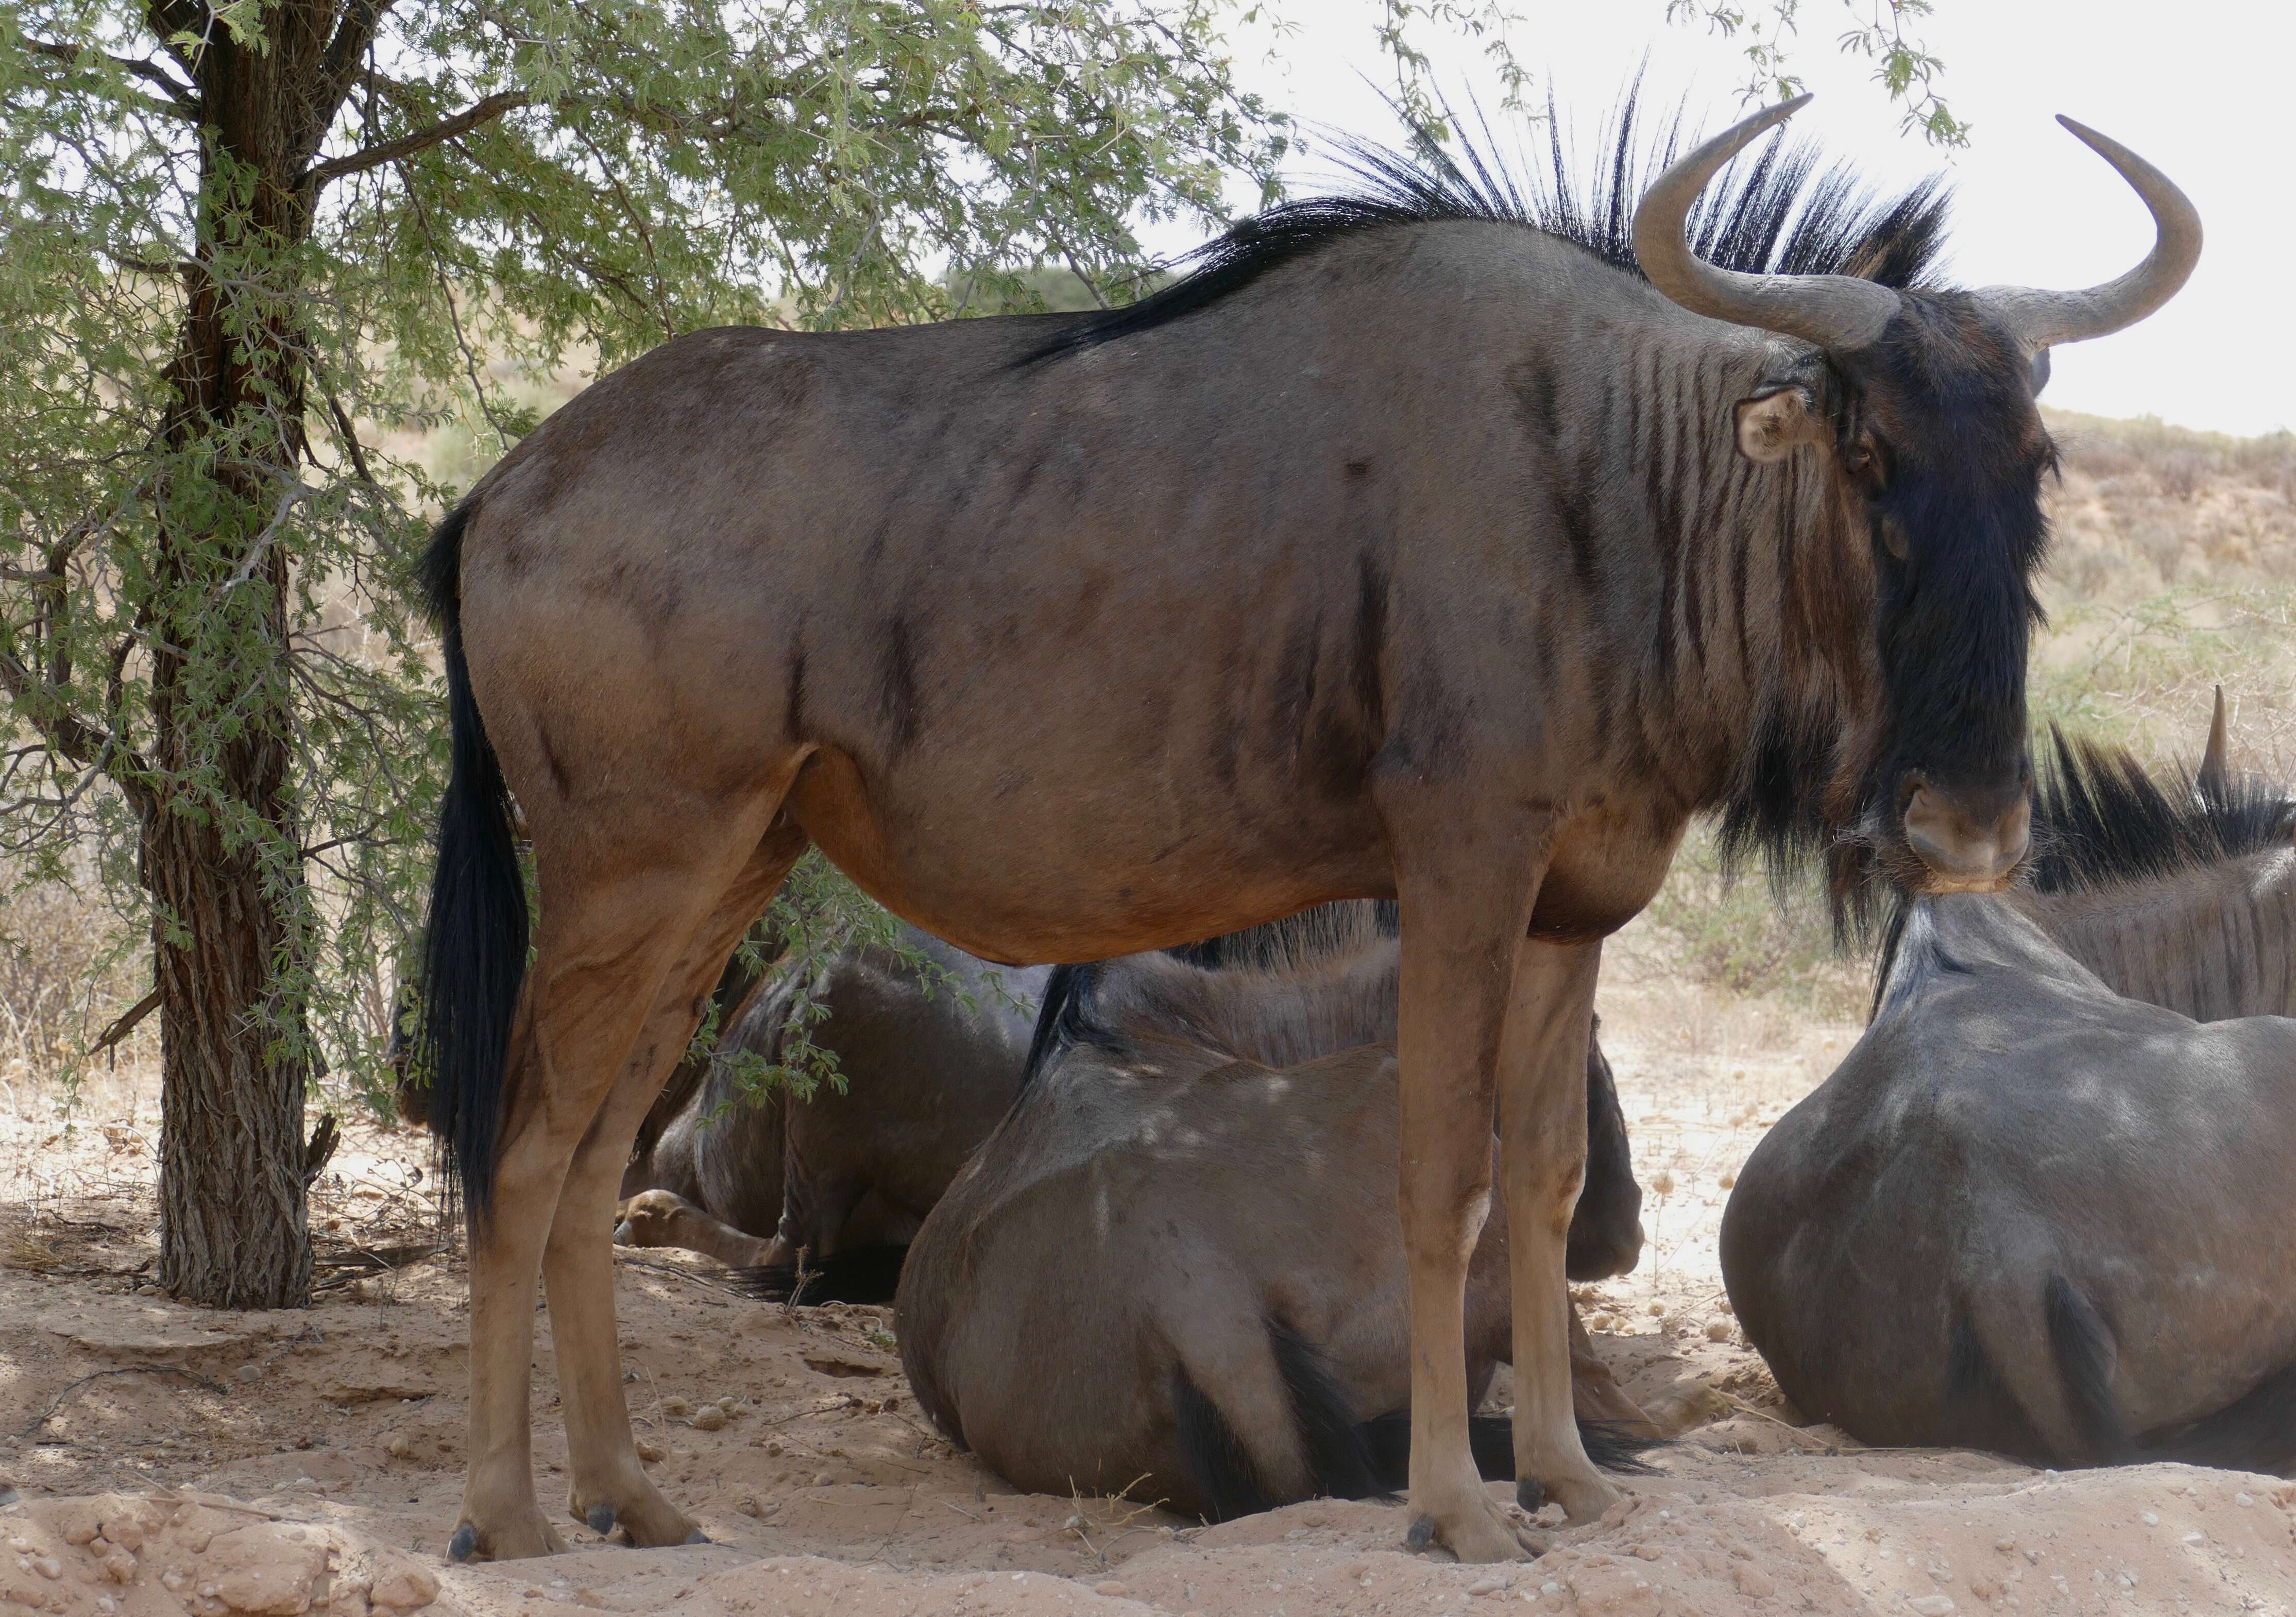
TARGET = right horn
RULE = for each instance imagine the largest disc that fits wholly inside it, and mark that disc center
(2215, 776)
(2043, 319)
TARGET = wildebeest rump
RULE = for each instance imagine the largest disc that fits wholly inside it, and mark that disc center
(1175, 1267)
(929, 1048)
(2028, 1213)
(1448, 543)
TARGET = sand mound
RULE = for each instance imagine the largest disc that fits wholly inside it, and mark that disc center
(154, 1553)
(1718, 1534)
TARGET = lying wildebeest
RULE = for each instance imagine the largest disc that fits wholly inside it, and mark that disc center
(2028, 1213)
(929, 1046)
(931, 1064)
(1175, 1264)
(1444, 543)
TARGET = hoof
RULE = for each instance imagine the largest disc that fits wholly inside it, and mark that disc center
(465, 1544)
(600, 1520)
(697, 1537)
(623, 1235)
(1422, 1535)
(1530, 1493)
(8, 1496)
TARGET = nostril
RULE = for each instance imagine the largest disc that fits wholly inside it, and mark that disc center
(2015, 834)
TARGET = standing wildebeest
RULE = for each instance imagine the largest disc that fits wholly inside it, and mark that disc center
(2030, 1213)
(1443, 544)
(1176, 1265)
(930, 1049)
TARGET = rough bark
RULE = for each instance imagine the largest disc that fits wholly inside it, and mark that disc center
(233, 1227)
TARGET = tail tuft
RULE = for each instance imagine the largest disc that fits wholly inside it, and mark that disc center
(1338, 1455)
(2083, 1345)
(1227, 1479)
(1220, 1467)
(865, 1273)
(474, 948)
(1490, 1438)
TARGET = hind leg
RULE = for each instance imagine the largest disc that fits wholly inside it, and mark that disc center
(616, 924)
(1543, 1158)
(662, 1218)
(609, 1488)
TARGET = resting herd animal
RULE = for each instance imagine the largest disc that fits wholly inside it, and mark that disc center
(2042, 1206)
(1326, 978)
(1449, 544)
(929, 1043)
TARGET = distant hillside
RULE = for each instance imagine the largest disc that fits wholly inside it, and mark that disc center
(2175, 568)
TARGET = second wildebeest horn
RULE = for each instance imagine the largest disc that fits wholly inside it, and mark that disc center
(1833, 311)
(2215, 775)
(2042, 319)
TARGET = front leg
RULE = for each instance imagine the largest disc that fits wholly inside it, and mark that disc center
(1543, 1162)
(1466, 903)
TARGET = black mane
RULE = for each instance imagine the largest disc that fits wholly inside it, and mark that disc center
(1068, 1017)
(1778, 214)
(2101, 819)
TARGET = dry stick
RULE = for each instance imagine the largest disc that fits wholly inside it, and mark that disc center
(126, 1022)
(624, 1253)
(57, 1402)
(805, 1278)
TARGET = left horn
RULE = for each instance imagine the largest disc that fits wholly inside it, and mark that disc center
(2215, 776)
(1833, 311)
(2042, 319)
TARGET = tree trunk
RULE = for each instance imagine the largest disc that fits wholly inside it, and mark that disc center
(233, 1227)
(232, 1232)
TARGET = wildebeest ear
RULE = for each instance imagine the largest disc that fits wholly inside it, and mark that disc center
(2038, 370)
(1774, 424)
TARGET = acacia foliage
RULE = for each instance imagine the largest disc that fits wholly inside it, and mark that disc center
(387, 215)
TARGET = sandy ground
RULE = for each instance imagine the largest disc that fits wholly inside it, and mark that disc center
(170, 1460)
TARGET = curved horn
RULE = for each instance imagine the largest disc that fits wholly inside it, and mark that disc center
(1833, 311)
(2044, 318)
(2214, 778)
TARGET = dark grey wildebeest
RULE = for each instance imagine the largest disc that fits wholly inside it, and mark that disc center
(931, 1061)
(1174, 1268)
(2030, 1213)
(930, 1043)
(1444, 543)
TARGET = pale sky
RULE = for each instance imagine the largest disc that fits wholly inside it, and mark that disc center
(2203, 89)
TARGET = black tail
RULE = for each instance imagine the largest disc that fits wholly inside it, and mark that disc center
(2256, 1431)
(866, 1274)
(1228, 1480)
(1350, 1459)
(474, 948)
(1491, 1439)
(2082, 1344)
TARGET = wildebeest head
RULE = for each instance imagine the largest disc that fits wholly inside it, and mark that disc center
(1922, 404)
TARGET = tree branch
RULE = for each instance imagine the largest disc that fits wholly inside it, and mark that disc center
(76, 739)
(407, 145)
(126, 1022)
(180, 100)
(352, 36)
